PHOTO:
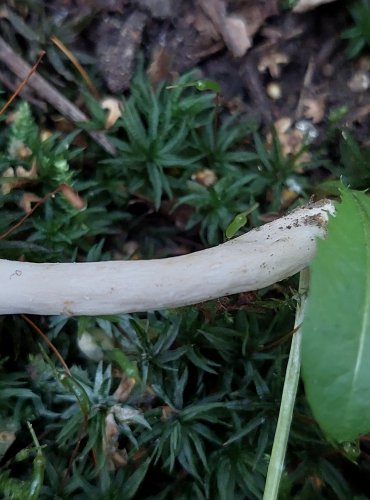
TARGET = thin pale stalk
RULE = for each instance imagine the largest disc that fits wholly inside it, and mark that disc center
(276, 465)
(253, 261)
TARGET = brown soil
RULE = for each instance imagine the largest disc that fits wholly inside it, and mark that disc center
(295, 66)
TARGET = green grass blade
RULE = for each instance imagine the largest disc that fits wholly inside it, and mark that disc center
(276, 464)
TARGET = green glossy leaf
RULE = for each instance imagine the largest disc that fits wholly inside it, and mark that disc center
(126, 365)
(200, 85)
(237, 223)
(208, 85)
(336, 328)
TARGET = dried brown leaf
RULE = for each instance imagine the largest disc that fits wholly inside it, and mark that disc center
(233, 28)
(203, 24)
(314, 108)
(271, 61)
(27, 174)
(291, 139)
(73, 197)
(124, 388)
(114, 108)
(160, 68)
(116, 458)
(235, 34)
(8, 186)
(255, 12)
(27, 200)
(206, 177)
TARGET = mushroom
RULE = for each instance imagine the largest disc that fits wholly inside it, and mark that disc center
(255, 260)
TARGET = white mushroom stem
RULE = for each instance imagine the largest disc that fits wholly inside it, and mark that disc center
(255, 260)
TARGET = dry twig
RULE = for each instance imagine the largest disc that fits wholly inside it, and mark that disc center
(48, 93)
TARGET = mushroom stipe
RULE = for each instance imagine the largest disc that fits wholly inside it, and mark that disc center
(255, 260)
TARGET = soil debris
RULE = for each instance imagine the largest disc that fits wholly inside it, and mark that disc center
(119, 39)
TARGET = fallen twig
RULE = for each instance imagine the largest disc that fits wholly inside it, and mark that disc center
(20, 68)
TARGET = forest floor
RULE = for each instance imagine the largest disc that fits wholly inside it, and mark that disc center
(300, 80)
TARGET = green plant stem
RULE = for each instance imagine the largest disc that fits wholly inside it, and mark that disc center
(276, 465)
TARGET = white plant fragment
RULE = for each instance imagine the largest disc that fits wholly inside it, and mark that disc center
(257, 259)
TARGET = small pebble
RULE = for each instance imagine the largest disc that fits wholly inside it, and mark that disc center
(273, 90)
(308, 129)
(359, 82)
